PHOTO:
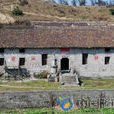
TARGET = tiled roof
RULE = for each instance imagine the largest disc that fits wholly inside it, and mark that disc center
(57, 37)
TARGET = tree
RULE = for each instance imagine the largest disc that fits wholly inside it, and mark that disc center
(52, 1)
(111, 3)
(101, 3)
(74, 2)
(82, 2)
(60, 1)
(93, 2)
(65, 2)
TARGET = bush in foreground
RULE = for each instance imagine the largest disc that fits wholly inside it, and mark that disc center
(42, 75)
(112, 11)
(17, 12)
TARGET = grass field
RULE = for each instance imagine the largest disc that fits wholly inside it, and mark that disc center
(49, 111)
(44, 85)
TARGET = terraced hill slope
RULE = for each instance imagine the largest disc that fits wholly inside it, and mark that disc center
(44, 10)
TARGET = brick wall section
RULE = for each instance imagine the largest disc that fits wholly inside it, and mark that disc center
(49, 98)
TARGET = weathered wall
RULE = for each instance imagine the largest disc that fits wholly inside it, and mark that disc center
(80, 98)
(94, 68)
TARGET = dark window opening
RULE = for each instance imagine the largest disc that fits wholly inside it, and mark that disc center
(107, 49)
(21, 61)
(44, 59)
(22, 50)
(84, 58)
(107, 59)
(1, 61)
(1, 50)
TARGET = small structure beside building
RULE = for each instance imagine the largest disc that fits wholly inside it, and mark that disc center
(67, 52)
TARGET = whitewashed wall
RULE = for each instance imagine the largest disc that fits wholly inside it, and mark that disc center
(94, 68)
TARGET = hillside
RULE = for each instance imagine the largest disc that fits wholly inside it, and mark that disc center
(44, 10)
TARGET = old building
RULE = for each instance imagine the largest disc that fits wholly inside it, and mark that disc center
(88, 50)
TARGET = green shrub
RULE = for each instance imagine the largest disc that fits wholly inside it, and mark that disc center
(37, 75)
(17, 12)
(112, 11)
(41, 75)
(44, 74)
(23, 2)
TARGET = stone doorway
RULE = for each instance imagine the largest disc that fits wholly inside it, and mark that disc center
(64, 64)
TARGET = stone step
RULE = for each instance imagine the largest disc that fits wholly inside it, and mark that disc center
(70, 86)
(72, 79)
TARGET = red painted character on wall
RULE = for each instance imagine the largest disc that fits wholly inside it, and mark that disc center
(13, 58)
(33, 58)
(96, 57)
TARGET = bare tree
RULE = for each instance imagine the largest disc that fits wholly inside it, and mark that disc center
(60, 2)
(74, 2)
(93, 2)
(101, 3)
(65, 2)
(82, 2)
(111, 3)
(51, 0)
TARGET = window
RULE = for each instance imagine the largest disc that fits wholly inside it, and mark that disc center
(22, 50)
(1, 50)
(44, 59)
(84, 58)
(107, 49)
(107, 59)
(21, 61)
(1, 61)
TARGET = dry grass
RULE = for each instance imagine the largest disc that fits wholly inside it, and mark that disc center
(98, 84)
(40, 84)
(40, 10)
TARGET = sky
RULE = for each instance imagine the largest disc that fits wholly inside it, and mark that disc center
(88, 1)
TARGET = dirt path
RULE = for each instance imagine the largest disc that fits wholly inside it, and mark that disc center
(49, 16)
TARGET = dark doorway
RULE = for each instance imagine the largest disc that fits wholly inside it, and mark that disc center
(64, 64)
